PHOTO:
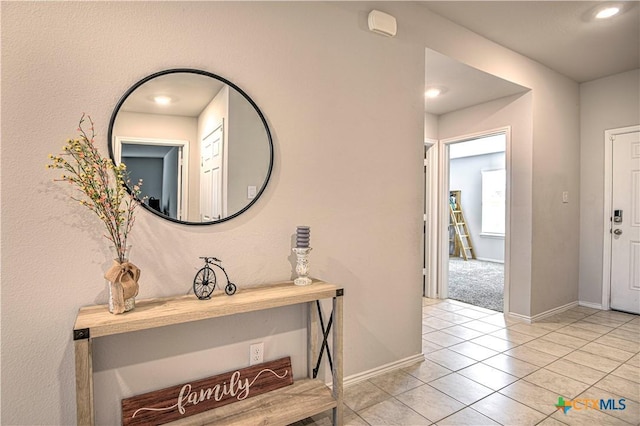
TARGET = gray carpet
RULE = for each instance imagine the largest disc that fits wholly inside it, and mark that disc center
(477, 283)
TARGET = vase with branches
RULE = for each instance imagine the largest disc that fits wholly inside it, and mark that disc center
(103, 190)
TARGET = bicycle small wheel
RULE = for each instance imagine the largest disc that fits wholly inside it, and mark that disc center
(230, 289)
(204, 283)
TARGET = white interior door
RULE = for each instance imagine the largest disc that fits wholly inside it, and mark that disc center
(625, 226)
(211, 176)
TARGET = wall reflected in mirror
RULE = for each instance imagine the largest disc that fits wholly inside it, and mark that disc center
(198, 142)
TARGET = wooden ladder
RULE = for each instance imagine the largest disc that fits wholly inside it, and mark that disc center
(462, 238)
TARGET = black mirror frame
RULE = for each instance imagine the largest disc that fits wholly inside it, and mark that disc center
(230, 84)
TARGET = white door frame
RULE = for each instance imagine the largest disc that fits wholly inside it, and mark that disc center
(609, 136)
(431, 219)
(183, 178)
(443, 210)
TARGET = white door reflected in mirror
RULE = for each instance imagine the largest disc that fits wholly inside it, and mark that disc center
(212, 194)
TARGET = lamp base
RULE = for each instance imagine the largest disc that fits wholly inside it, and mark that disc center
(302, 265)
(302, 281)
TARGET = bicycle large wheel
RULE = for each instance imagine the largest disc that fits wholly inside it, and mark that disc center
(204, 283)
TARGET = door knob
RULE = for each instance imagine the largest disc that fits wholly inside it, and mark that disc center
(617, 231)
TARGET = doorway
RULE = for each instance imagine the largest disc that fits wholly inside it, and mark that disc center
(159, 163)
(477, 200)
(474, 200)
(469, 103)
(621, 259)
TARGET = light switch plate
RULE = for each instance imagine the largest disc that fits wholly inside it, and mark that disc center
(251, 192)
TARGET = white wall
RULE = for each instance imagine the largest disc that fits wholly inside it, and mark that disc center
(606, 103)
(348, 132)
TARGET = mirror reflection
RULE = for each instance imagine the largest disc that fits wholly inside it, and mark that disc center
(199, 143)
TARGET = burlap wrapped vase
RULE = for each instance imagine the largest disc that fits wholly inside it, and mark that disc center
(123, 286)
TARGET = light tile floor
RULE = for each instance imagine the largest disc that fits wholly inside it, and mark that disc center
(483, 369)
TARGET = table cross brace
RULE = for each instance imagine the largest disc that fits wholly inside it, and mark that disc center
(325, 343)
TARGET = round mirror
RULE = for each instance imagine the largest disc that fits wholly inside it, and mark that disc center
(200, 145)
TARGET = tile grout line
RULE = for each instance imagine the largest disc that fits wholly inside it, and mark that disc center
(534, 338)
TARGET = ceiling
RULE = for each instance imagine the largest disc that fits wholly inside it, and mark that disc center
(559, 34)
(465, 86)
(189, 92)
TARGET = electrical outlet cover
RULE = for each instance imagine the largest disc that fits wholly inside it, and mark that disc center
(256, 353)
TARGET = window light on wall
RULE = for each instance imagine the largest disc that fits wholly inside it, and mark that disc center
(493, 202)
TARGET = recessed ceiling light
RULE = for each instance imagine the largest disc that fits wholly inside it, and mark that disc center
(434, 92)
(607, 12)
(162, 100)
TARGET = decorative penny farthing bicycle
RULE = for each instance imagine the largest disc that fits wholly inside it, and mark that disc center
(205, 281)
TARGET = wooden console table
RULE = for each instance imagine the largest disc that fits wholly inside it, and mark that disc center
(305, 398)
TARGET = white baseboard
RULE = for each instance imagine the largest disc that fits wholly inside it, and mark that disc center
(554, 311)
(518, 317)
(543, 315)
(486, 259)
(366, 375)
(591, 305)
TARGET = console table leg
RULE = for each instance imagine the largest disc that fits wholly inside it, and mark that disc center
(312, 338)
(84, 382)
(338, 412)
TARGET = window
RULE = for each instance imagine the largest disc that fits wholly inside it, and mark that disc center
(493, 202)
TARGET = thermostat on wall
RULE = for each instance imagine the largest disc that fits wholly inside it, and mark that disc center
(382, 23)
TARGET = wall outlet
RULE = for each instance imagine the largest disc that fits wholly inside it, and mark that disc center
(256, 353)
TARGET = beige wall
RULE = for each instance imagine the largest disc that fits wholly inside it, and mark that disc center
(332, 171)
(556, 168)
(351, 169)
(553, 161)
(430, 126)
(514, 111)
(248, 151)
(606, 103)
(554, 248)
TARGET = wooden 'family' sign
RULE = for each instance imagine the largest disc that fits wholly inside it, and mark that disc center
(176, 402)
